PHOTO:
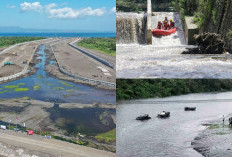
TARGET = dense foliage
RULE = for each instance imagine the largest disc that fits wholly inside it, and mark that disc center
(150, 88)
(8, 41)
(104, 45)
(141, 5)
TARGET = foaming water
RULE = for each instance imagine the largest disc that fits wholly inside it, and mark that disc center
(167, 137)
(131, 28)
(163, 59)
(142, 61)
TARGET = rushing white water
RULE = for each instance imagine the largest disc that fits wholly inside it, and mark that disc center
(163, 59)
(131, 28)
(167, 137)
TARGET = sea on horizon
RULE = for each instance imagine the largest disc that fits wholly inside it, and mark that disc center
(54, 34)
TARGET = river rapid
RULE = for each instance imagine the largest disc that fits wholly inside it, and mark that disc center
(163, 59)
(172, 136)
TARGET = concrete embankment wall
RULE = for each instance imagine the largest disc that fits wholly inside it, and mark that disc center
(62, 70)
(190, 29)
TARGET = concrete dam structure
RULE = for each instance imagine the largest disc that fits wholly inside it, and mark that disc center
(131, 28)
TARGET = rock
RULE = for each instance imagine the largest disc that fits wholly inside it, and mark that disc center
(208, 43)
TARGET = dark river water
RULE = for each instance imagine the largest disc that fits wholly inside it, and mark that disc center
(42, 86)
(170, 137)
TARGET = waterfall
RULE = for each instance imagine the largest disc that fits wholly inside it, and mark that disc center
(131, 28)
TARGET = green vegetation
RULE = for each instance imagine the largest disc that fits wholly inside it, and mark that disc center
(107, 137)
(152, 88)
(21, 89)
(11, 86)
(5, 91)
(65, 84)
(59, 88)
(26, 98)
(8, 41)
(21, 84)
(36, 87)
(70, 90)
(141, 5)
(104, 45)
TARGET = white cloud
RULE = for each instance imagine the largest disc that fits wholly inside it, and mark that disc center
(67, 12)
(63, 13)
(11, 6)
(113, 10)
(36, 6)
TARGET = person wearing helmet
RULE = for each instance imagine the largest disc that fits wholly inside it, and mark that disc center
(172, 24)
(166, 20)
(166, 26)
(159, 25)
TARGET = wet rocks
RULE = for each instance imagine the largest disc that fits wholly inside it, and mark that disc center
(208, 43)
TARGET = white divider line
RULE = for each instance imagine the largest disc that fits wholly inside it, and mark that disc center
(78, 77)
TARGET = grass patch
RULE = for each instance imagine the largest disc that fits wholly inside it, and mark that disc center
(5, 91)
(21, 89)
(36, 87)
(20, 84)
(26, 98)
(107, 136)
(69, 90)
(8, 41)
(103, 45)
(65, 84)
(59, 88)
(11, 86)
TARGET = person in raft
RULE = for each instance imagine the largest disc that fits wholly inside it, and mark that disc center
(160, 25)
(166, 26)
(172, 24)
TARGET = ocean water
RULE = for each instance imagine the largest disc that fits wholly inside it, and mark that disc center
(54, 34)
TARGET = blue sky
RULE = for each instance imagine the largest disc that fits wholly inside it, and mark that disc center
(68, 15)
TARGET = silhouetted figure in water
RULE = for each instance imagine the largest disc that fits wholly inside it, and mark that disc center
(230, 121)
(223, 119)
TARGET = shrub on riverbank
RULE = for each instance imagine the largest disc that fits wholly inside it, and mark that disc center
(152, 88)
(104, 45)
(8, 41)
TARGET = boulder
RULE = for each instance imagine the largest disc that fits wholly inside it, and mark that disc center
(208, 43)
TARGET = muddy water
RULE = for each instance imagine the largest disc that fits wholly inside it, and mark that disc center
(42, 86)
(167, 137)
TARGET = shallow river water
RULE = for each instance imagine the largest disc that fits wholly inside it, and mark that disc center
(167, 137)
(42, 86)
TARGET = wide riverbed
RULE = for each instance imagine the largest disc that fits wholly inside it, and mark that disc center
(42, 86)
(167, 137)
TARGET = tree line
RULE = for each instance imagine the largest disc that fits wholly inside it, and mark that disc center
(156, 88)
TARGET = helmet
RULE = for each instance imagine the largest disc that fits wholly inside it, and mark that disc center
(171, 20)
(159, 21)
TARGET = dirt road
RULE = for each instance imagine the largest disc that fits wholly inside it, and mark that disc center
(20, 144)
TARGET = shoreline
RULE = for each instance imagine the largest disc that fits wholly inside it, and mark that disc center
(43, 118)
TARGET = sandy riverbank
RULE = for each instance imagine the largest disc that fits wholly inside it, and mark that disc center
(66, 120)
(79, 64)
(17, 56)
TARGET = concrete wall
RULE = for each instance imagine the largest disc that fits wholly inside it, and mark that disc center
(149, 26)
(190, 29)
